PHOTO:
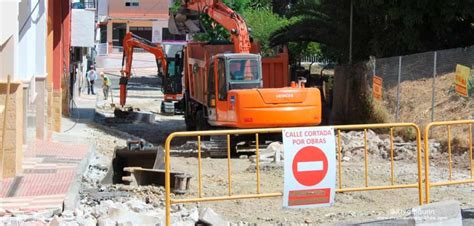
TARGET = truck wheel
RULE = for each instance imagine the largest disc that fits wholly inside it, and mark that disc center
(188, 116)
(201, 121)
(162, 108)
(202, 124)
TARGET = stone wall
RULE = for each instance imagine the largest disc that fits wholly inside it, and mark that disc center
(13, 155)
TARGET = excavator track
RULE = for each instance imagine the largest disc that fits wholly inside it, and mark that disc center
(216, 146)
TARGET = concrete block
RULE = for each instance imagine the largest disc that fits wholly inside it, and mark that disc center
(208, 216)
(440, 213)
(125, 217)
(467, 213)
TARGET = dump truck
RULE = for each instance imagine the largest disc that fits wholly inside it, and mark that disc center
(224, 85)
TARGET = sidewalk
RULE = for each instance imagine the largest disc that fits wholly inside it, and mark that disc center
(51, 167)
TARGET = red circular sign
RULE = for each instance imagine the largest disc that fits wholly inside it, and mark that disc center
(310, 166)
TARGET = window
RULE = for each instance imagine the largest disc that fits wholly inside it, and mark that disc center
(222, 80)
(211, 85)
(243, 70)
(132, 3)
(103, 33)
(118, 32)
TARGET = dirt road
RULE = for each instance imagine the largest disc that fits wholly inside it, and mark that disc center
(349, 207)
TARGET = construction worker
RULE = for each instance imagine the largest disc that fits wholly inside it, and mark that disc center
(106, 83)
(91, 76)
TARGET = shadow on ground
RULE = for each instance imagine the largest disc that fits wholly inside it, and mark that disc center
(145, 88)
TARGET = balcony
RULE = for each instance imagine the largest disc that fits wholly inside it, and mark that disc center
(85, 4)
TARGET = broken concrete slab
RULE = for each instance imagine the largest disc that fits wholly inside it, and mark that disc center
(125, 217)
(99, 196)
(440, 213)
(87, 221)
(208, 216)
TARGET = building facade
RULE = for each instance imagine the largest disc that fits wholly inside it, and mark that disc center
(34, 55)
(145, 18)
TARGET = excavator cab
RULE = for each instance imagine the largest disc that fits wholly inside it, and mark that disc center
(172, 82)
(174, 58)
(231, 71)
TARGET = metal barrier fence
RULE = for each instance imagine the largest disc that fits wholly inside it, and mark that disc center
(259, 194)
(428, 183)
(430, 66)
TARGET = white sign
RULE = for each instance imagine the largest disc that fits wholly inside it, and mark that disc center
(310, 167)
(82, 28)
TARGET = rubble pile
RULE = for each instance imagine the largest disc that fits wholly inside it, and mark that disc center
(353, 147)
(114, 205)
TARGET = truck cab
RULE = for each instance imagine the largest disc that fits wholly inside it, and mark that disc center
(172, 83)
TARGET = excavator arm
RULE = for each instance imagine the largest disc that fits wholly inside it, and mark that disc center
(130, 42)
(223, 15)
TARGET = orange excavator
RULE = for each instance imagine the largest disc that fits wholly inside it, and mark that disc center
(223, 83)
(169, 62)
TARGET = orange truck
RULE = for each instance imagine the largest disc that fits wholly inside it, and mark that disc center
(225, 85)
(229, 90)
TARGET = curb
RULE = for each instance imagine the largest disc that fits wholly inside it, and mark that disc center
(72, 195)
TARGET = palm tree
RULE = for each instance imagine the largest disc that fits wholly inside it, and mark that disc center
(317, 22)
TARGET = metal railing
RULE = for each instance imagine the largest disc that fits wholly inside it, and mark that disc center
(259, 193)
(87, 4)
(428, 183)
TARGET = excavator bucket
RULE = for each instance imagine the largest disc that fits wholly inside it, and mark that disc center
(140, 163)
(184, 22)
(149, 158)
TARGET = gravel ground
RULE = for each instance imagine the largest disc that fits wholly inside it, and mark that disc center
(105, 204)
(349, 207)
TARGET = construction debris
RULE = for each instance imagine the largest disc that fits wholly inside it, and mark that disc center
(353, 146)
(208, 216)
(272, 154)
(132, 116)
(140, 176)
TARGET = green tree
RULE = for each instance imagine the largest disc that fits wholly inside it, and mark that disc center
(213, 30)
(263, 22)
(380, 28)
